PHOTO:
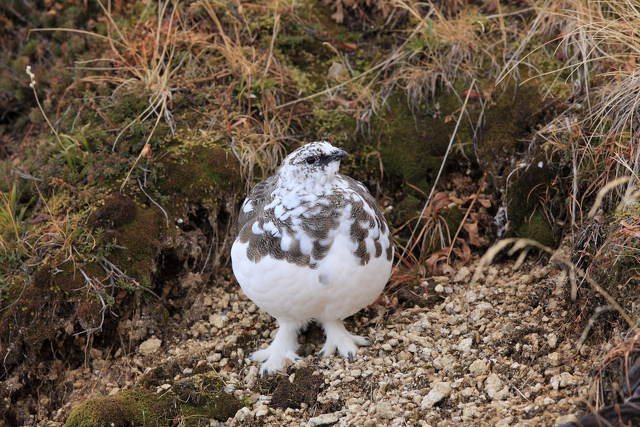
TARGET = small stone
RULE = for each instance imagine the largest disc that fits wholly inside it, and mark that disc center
(461, 275)
(242, 414)
(492, 385)
(217, 320)
(465, 345)
(262, 410)
(207, 301)
(385, 410)
(150, 346)
(554, 359)
(405, 355)
(325, 419)
(505, 422)
(552, 340)
(502, 394)
(439, 288)
(471, 296)
(215, 357)
(562, 380)
(438, 391)
(479, 367)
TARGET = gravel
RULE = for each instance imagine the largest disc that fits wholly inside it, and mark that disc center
(497, 352)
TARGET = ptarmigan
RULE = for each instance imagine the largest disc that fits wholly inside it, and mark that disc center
(312, 245)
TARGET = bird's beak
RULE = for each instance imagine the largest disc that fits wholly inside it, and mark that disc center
(338, 154)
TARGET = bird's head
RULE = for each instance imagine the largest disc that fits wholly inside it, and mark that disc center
(313, 162)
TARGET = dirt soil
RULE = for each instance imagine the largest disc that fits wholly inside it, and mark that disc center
(498, 352)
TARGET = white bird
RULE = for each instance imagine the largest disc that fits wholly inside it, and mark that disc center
(312, 246)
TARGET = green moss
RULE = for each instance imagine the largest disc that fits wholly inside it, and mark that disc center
(525, 194)
(199, 168)
(140, 242)
(536, 227)
(189, 401)
(130, 407)
(510, 118)
(335, 125)
(413, 143)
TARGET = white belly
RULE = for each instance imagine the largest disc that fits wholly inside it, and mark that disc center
(338, 288)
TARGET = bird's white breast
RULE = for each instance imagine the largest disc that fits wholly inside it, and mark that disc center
(339, 286)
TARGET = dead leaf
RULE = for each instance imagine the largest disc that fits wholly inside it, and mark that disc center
(472, 232)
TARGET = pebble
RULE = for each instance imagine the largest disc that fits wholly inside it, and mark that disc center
(262, 410)
(385, 410)
(325, 419)
(242, 414)
(465, 345)
(438, 391)
(462, 275)
(479, 367)
(215, 357)
(492, 385)
(150, 346)
(562, 380)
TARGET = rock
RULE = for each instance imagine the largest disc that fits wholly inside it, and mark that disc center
(405, 355)
(554, 359)
(262, 410)
(503, 394)
(325, 419)
(465, 345)
(439, 288)
(562, 380)
(461, 275)
(215, 357)
(217, 320)
(150, 346)
(479, 367)
(385, 410)
(438, 391)
(552, 340)
(242, 414)
(470, 296)
(505, 422)
(492, 385)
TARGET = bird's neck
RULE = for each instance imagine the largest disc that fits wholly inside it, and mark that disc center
(303, 182)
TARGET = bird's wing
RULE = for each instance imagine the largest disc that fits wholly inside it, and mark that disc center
(259, 196)
(362, 191)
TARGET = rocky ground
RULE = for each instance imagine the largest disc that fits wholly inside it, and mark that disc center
(501, 351)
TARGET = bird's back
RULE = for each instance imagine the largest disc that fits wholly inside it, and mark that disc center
(302, 231)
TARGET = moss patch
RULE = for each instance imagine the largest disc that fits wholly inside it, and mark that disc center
(413, 142)
(526, 196)
(199, 168)
(126, 408)
(189, 401)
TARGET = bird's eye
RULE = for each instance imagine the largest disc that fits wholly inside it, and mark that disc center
(311, 160)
